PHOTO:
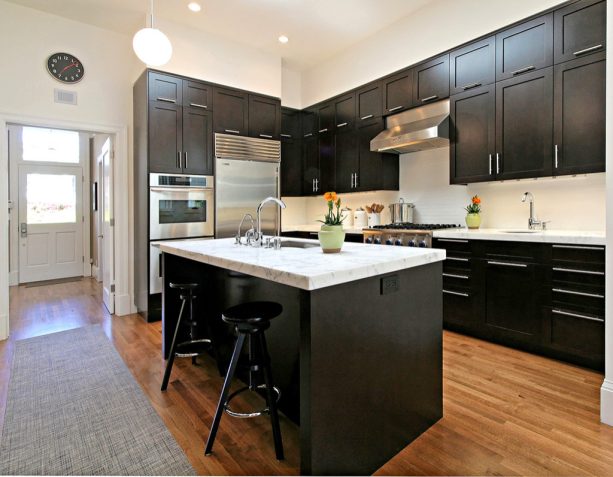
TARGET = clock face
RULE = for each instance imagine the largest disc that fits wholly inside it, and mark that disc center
(65, 67)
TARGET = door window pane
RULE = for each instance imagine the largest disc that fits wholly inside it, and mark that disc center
(51, 199)
(50, 145)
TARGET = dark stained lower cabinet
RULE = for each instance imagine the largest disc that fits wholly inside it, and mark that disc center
(524, 126)
(376, 171)
(579, 115)
(543, 298)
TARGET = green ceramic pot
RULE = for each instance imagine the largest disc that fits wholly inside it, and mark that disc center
(331, 238)
(473, 221)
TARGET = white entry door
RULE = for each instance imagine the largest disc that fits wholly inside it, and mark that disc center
(50, 222)
(108, 228)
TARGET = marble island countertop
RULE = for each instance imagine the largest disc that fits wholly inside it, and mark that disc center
(523, 235)
(305, 268)
(316, 227)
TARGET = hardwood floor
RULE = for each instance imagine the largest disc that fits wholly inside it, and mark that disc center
(505, 412)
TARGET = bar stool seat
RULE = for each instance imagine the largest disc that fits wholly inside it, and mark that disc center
(250, 320)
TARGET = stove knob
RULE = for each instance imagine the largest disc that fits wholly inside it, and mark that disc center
(389, 242)
(377, 240)
(423, 244)
(398, 242)
(411, 243)
(368, 239)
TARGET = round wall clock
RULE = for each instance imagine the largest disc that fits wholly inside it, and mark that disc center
(65, 67)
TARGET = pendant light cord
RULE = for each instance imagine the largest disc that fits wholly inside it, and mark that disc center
(151, 14)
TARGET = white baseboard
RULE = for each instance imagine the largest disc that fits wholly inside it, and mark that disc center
(4, 327)
(122, 305)
(13, 278)
(95, 272)
(606, 402)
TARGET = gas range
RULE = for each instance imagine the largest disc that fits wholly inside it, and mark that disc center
(404, 234)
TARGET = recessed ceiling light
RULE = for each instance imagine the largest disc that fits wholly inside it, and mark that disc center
(194, 7)
(283, 39)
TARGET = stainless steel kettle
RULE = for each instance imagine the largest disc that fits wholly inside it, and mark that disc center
(401, 211)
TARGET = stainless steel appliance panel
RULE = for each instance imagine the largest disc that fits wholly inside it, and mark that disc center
(240, 187)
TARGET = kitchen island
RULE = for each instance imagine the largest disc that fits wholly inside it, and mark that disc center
(357, 351)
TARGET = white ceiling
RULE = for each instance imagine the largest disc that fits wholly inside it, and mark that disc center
(317, 29)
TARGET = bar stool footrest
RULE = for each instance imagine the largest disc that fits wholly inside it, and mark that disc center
(193, 348)
(247, 415)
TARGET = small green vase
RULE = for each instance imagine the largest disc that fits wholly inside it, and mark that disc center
(473, 221)
(331, 238)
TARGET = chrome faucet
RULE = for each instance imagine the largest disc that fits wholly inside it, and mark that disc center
(533, 222)
(258, 236)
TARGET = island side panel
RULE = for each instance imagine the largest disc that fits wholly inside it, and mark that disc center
(374, 370)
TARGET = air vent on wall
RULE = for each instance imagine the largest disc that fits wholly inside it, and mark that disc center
(64, 97)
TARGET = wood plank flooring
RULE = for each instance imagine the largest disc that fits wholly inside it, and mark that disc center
(505, 412)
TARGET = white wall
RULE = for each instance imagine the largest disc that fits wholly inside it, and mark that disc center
(435, 28)
(291, 88)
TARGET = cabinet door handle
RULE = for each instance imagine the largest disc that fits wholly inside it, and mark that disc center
(351, 181)
(452, 240)
(490, 164)
(523, 70)
(457, 259)
(356, 180)
(185, 159)
(316, 185)
(395, 108)
(507, 264)
(573, 292)
(470, 86)
(587, 50)
(323, 130)
(574, 270)
(577, 247)
(313, 184)
(196, 105)
(266, 136)
(449, 292)
(178, 160)
(555, 155)
(167, 100)
(577, 315)
(368, 116)
(289, 136)
(232, 131)
(452, 275)
(429, 98)
(497, 163)
(341, 125)
(308, 134)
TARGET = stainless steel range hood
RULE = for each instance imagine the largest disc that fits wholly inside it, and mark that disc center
(418, 129)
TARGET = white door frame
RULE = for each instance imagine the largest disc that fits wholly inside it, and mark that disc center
(123, 302)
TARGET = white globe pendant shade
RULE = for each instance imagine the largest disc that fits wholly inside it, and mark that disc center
(152, 47)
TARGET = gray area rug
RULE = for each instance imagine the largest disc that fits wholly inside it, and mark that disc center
(74, 409)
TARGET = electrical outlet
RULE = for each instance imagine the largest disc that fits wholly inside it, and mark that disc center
(389, 284)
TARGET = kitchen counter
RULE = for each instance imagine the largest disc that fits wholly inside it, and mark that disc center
(316, 228)
(575, 237)
(356, 352)
(304, 268)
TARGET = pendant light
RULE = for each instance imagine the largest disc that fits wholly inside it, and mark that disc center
(151, 45)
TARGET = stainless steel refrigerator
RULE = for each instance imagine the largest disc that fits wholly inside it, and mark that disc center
(246, 172)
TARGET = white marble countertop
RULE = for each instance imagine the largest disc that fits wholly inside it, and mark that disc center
(518, 235)
(305, 268)
(315, 228)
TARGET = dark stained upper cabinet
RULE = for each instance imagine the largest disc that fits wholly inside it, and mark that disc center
(309, 123)
(326, 164)
(264, 117)
(344, 111)
(231, 111)
(346, 160)
(325, 118)
(524, 125)
(197, 141)
(525, 47)
(472, 66)
(431, 80)
(165, 137)
(291, 156)
(291, 125)
(579, 115)
(580, 29)
(197, 95)
(368, 103)
(473, 135)
(310, 163)
(398, 92)
(165, 88)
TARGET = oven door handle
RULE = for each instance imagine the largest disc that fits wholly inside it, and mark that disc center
(178, 189)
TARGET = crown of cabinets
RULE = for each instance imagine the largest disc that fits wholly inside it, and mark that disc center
(530, 101)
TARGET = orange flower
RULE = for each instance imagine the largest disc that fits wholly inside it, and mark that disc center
(330, 196)
(476, 200)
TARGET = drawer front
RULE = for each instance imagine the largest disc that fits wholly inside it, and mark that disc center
(577, 333)
(578, 298)
(458, 307)
(587, 254)
(509, 251)
(452, 245)
(457, 264)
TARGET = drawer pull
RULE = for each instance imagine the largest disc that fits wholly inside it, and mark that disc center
(572, 292)
(508, 264)
(266, 136)
(452, 275)
(323, 130)
(341, 125)
(395, 108)
(233, 131)
(167, 100)
(196, 105)
(572, 270)
(452, 240)
(587, 50)
(308, 134)
(523, 70)
(578, 247)
(368, 116)
(470, 86)
(429, 98)
(289, 136)
(449, 292)
(457, 259)
(577, 315)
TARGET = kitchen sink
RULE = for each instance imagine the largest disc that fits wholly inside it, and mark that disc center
(297, 244)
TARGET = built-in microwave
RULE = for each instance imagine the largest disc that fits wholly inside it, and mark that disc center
(181, 206)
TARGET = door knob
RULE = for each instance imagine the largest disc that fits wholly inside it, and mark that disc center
(23, 228)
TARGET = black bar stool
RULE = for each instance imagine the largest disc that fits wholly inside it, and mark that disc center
(192, 347)
(251, 320)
